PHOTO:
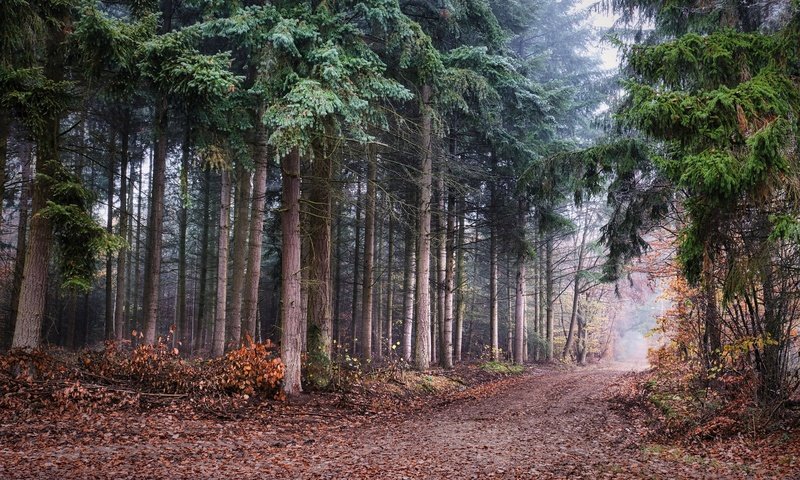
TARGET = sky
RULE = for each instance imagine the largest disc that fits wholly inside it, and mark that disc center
(603, 50)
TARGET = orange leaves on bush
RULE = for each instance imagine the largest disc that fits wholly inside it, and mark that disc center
(253, 368)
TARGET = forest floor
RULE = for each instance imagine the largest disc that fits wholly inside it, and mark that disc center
(551, 422)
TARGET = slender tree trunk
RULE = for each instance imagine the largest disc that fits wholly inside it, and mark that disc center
(5, 132)
(377, 297)
(241, 223)
(549, 296)
(354, 324)
(575, 293)
(155, 226)
(200, 317)
(369, 252)
(182, 325)
(408, 293)
(337, 299)
(218, 345)
(136, 270)
(127, 314)
(124, 181)
(109, 293)
(449, 287)
(320, 323)
(536, 302)
(459, 281)
(253, 276)
(493, 269)
(441, 266)
(423, 309)
(389, 285)
(519, 306)
(291, 343)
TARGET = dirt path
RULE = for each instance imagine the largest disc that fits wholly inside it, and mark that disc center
(550, 425)
(547, 424)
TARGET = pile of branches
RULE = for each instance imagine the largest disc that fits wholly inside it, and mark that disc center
(118, 376)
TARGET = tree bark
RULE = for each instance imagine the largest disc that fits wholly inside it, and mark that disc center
(575, 293)
(26, 191)
(519, 306)
(200, 318)
(241, 224)
(493, 273)
(136, 270)
(5, 132)
(320, 323)
(459, 281)
(253, 276)
(291, 314)
(109, 291)
(408, 293)
(449, 286)
(218, 345)
(354, 324)
(182, 325)
(390, 285)
(33, 288)
(549, 296)
(423, 309)
(122, 255)
(155, 226)
(369, 252)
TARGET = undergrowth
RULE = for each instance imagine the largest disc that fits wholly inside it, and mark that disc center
(121, 376)
(503, 367)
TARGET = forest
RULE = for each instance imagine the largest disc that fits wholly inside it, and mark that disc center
(399, 238)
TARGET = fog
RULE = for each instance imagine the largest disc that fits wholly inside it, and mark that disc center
(636, 320)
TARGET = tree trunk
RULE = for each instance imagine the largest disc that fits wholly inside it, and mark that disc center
(122, 255)
(240, 228)
(459, 281)
(549, 296)
(26, 191)
(575, 292)
(5, 131)
(291, 343)
(109, 293)
(33, 288)
(136, 269)
(354, 325)
(536, 302)
(423, 308)
(182, 325)
(519, 306)
(337, 305)
(449, 286)
(320, 323)
(253, 275)
(200, 318)
(493, 273)
(218, 345)
(369, 252)
(390, 285)
(377, 297)
(155, 226)
(408, 293)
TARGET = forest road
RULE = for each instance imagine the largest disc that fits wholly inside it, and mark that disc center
(551, 424)
(546, 424)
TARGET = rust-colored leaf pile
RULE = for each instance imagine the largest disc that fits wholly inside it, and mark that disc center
(118, 377)
(253, 368)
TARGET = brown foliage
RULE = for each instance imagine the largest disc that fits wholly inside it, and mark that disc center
(115, 376)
